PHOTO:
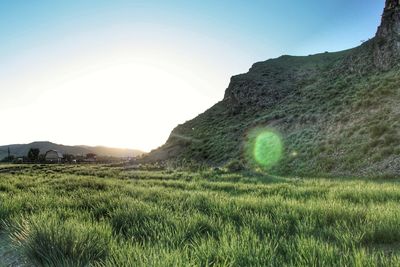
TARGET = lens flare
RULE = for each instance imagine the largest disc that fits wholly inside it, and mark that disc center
(265, 148)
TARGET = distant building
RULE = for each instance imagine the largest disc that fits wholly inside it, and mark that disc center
(53, 156)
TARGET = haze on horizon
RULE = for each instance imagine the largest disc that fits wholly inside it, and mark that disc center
(125, 73)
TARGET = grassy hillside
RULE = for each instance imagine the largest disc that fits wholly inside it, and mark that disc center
(103, 216)
(336, 114)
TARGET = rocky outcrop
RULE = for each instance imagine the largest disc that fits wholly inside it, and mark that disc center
(390, 24)
(387, 39)
(270, 82)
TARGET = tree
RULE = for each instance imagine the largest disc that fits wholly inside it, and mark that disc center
(91, 156)
(33, 154)
(69, 158)
(42, 158)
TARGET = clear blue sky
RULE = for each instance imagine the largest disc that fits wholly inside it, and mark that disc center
(192, 48)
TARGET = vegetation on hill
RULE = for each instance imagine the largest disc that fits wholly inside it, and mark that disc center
(335, 123)
(58, 215)
(336, 113)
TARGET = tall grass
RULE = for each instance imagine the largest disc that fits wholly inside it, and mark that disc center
(103, 216)
(53, 241)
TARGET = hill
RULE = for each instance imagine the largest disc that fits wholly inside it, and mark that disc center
(334, 113)
(22, 150)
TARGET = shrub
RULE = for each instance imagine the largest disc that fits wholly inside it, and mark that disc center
(235, 165)
(378, 130)
(391, 139)
(51, 241)
(140, 223)
(199, 227)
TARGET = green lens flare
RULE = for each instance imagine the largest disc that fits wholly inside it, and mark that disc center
(267, 149)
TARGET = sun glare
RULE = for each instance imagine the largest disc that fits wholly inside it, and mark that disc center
(120, 102)
(265, 148)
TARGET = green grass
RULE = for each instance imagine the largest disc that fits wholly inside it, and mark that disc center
(114, 216)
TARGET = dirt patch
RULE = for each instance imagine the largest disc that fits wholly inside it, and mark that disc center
(9, 255)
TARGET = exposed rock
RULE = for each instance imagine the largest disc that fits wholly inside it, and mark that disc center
(387, 40)
(390, 24)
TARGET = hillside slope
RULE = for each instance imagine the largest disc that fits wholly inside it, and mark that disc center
(337, 113)
(22, 150)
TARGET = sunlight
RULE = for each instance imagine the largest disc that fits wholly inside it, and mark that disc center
(119, 102)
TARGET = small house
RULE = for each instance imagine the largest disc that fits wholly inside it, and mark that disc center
(53, 156)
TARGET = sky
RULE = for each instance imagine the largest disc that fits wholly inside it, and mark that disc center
(124, 73)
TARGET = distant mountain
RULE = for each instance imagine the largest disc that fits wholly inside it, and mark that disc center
(22, 150)
(336, 113)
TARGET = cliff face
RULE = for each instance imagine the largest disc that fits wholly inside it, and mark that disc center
(337, 113)
(390, 25)
(387, 39)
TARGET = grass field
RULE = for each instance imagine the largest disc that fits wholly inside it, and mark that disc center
(59, 215)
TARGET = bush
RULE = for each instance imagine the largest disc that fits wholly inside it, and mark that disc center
(378, 130)
(50, 241)
(141, 223)
(235, 165)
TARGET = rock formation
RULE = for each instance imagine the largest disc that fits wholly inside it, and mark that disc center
(387, 40)
(390, 24)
